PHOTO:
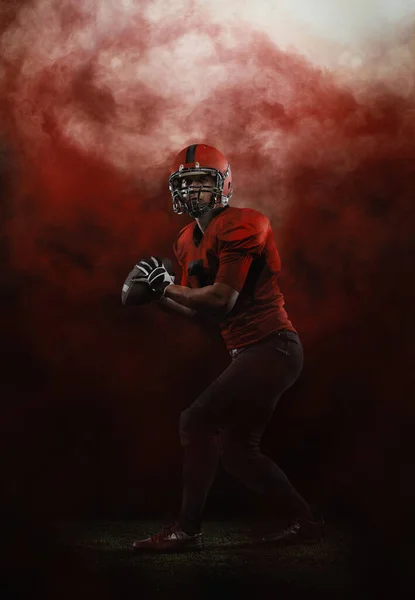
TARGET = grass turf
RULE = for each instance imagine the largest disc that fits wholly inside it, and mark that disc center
(227, 567)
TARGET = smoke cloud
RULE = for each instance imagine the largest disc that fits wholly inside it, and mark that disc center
(97, 98)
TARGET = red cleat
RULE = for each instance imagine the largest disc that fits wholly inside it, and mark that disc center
(170, 539)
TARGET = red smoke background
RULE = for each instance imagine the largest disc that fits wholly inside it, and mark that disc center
(92, 390)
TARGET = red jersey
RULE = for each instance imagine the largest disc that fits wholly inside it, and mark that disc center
(237, 248)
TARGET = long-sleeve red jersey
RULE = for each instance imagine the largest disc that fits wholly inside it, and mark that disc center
(237, 248)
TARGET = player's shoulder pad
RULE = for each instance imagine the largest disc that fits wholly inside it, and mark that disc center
(241, 223)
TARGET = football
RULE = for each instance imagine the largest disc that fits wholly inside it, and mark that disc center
(141, 293)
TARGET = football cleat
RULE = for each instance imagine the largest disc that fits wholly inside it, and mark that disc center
(298, 532)
(170, 539)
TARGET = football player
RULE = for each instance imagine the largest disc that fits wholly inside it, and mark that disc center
(230, 267)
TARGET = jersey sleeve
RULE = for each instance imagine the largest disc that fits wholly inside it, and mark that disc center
(239, 243)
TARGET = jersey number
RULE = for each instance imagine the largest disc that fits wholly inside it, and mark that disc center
(196, 269)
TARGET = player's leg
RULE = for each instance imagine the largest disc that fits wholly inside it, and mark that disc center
(256, 378)
(245, 393)
(199, 428)
(240, 442)
(279, 361)
(242, 458)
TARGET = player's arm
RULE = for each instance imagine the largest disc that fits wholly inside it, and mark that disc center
(217, 299)
(178, 300)
(170, 305)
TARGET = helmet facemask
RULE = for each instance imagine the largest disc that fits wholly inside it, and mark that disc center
(183, 203)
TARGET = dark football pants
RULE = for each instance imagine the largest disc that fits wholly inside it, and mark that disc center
(228, 419)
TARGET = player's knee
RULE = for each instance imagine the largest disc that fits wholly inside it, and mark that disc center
(193, 424)
(188, 425)
(235, 452)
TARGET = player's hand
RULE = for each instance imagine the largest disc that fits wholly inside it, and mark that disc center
(137, 275)
(156, 274)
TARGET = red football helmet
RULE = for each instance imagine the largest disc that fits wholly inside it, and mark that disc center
(196, 160)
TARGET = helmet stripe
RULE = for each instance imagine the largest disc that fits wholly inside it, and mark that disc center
(191, 153)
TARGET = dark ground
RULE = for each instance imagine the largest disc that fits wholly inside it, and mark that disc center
(93, 560)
